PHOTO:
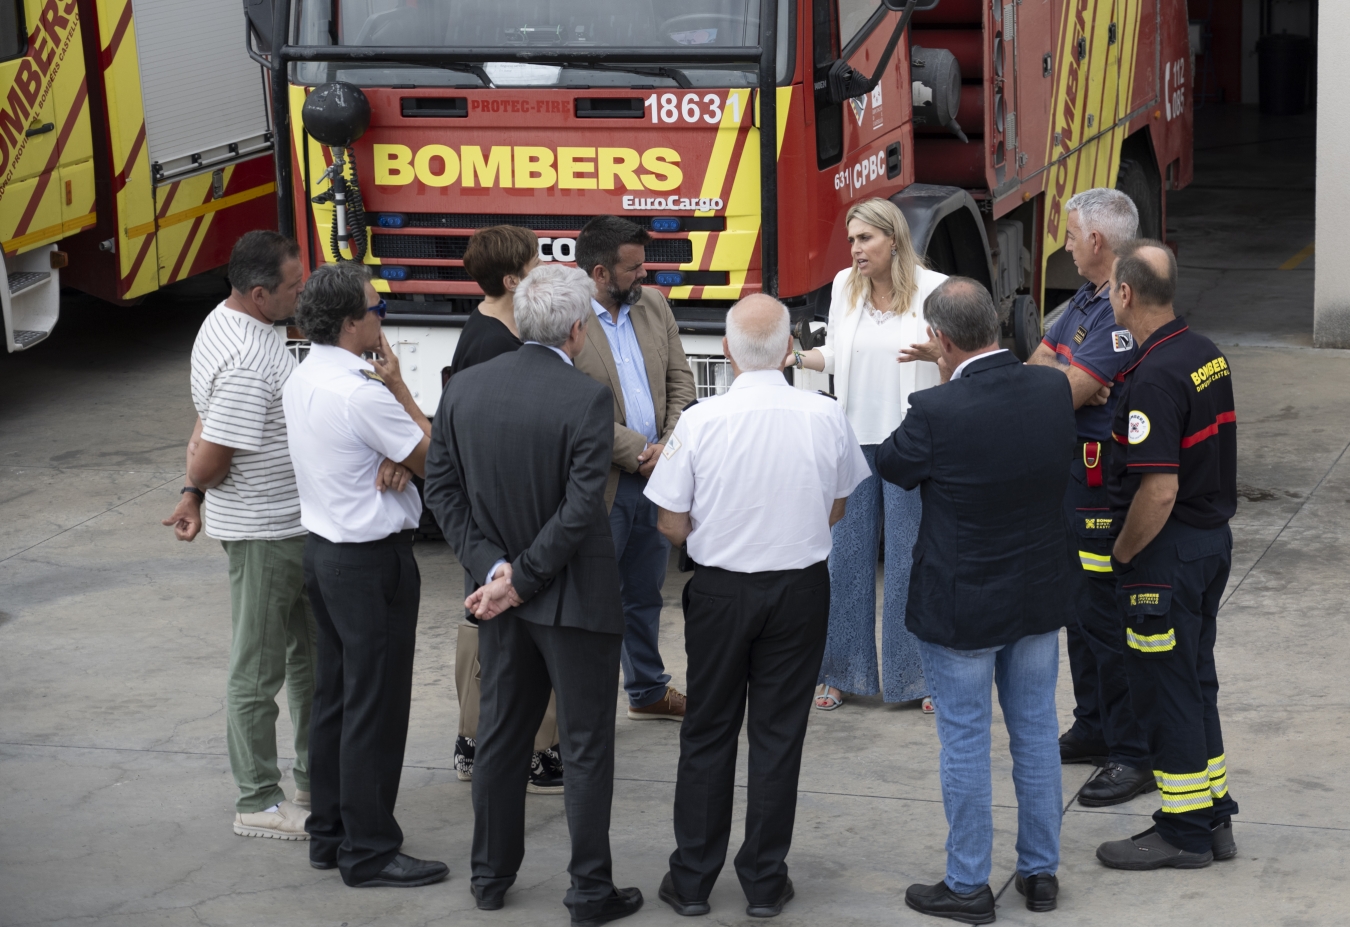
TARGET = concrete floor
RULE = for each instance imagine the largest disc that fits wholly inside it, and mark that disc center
(115, 790)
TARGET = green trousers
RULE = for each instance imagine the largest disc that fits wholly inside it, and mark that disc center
(273, 644)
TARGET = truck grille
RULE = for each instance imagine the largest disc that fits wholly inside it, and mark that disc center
(451, 248)
(438, 273)
(712, 375)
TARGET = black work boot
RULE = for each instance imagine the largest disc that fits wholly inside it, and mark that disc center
(1225, 847)
(1116, 784)
(1150, 851)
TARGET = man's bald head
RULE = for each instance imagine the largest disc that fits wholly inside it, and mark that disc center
(1149, 269)
(758, 333)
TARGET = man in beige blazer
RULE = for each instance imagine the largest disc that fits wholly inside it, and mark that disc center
(642, 362)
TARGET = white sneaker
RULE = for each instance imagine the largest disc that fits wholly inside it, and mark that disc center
(301, 799)
(286, 823)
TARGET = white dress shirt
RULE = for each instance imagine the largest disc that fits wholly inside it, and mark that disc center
(758, 470)
(876, 397)
(960, 368)
(342, 424)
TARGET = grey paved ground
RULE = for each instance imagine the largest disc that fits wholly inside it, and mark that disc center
(115, 792)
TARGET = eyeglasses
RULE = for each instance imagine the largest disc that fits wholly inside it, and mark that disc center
(380, 308)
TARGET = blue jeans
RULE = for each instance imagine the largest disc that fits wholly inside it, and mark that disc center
(960, 683)
(643, 553)
(850, 663)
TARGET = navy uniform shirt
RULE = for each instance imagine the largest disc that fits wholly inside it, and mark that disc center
(1175, 415)
(1086, 336)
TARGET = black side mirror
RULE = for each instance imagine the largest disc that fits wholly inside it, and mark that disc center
(259, 13)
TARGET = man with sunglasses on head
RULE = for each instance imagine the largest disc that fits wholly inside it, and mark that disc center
(347, 417)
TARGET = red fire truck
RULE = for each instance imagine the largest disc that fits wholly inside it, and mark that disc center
(978, 118)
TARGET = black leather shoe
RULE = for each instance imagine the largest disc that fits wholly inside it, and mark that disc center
(488, 901)
(323, 863)
(1116, 784)
(1073, 750)
(623, 902)
(774, 908)
(406, 871)
(1040, 891)
(686, 908)
(940, 901)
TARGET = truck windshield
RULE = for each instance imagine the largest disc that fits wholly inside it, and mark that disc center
(536, 24)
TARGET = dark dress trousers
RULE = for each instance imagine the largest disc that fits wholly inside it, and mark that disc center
(520, 453)
(991, 450)
(365, 598)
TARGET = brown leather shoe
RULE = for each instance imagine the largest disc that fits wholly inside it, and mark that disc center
(670, 707)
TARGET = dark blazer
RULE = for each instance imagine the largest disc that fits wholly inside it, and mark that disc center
(991, 454)
(520, 452)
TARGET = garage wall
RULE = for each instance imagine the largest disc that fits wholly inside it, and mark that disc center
(1331, 293)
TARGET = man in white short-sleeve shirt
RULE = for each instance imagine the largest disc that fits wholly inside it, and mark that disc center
(238, 461)
(347, 415)
(752, 480)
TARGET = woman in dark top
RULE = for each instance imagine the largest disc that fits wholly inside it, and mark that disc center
(494, 259)
(498, 258)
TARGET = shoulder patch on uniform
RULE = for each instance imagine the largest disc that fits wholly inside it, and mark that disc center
(1139, 427)
(372, 375)
(1079, 335)
(690, 406)
(672, 446)
(821, 392)
(1122, 341)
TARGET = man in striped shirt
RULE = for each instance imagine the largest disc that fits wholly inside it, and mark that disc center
(239, 463)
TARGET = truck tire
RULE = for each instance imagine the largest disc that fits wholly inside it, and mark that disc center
(1026, 316)
(1134, 181)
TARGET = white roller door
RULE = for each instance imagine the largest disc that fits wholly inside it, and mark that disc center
(205, 100)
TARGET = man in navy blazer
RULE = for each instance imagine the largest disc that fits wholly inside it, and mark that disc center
(990, 449)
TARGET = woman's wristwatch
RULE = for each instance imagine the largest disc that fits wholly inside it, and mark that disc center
(797, 359)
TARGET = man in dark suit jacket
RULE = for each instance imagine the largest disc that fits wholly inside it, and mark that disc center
(990, 449)
(520, 453)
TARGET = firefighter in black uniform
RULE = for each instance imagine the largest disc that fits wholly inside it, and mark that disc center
(1172, 488)
(1092, 349)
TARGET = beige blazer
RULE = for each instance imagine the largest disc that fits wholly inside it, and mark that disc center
(668, 377)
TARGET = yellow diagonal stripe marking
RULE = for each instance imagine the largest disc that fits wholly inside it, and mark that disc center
(1298, 259)
(187, 215)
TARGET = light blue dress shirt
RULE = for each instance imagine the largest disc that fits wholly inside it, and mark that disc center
(637, 393)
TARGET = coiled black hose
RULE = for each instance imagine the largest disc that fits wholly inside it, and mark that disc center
(345, 195)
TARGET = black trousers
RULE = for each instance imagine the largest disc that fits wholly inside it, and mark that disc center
(521, 662)
(1097, 640)
(759, 636)
(365, 599)
(1169, 595)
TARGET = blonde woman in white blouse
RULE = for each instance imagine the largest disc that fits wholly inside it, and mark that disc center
(876, 312)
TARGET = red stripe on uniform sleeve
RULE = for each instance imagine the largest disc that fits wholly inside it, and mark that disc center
(1209, 431)
(1092, 373)
(1169, 466)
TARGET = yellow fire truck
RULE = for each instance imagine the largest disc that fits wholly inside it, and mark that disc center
(134, 149)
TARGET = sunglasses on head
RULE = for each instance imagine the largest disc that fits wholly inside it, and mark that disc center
(380, 308)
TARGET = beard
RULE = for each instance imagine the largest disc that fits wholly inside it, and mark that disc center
(625, 297)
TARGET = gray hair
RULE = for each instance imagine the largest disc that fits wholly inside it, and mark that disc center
(550, 301)
(1107, 212)
(758, 346)
(962, 309)
(333, 294)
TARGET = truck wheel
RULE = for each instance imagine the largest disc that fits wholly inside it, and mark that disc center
(1133, 180)
(1026, 326)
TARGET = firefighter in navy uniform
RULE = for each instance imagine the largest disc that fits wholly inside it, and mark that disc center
(1091, 348)
(1173, 487)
